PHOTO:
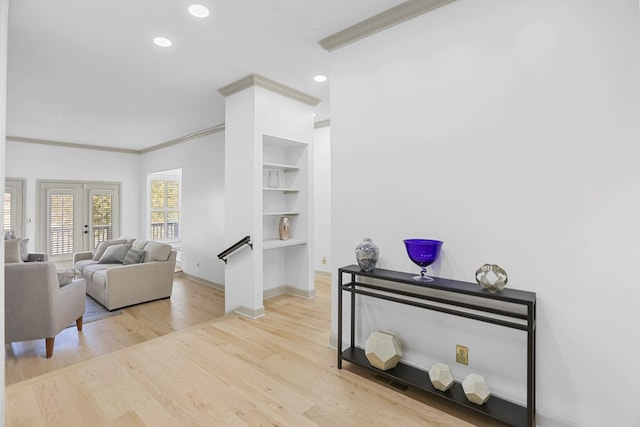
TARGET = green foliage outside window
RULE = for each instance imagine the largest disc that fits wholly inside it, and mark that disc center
(165, 205)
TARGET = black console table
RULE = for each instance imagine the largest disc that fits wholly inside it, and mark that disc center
(443, 295)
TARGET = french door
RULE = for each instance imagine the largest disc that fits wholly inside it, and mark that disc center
(14, 206)
(76, 216)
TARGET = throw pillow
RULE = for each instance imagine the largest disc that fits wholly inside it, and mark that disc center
(139, 244)
(24, 250)
(127, 240)
(66, 276)
(102, 246)
(114, 254)
(9, 235)
(157, 251)
(134, 256)
(12, 251)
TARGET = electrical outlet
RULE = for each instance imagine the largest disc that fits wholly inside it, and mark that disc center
(324, 259)
(462, 354)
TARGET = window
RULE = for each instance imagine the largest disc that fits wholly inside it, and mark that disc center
(13, 207)
(165, 192)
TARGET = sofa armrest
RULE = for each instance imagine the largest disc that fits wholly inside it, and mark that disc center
(79, 256)
(38, 257)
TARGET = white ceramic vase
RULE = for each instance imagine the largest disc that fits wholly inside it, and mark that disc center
(284, 228)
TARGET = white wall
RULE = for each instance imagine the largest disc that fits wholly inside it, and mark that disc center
(322, 198)
(4, 18)
(510, 131)
(38, 161)
(202, 163)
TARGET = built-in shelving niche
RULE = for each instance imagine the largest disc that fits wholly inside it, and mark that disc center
(290, 197)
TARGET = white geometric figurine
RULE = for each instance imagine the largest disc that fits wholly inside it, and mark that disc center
(476, 389)
(383, 350)
(440, 376)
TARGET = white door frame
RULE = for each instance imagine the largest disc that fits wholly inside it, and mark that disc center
(83, 190)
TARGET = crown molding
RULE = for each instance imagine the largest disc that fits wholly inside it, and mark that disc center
(176, 141)
(180, 140)
(204, 132)
(257, 80)
(396, 15)
(321, 124)
(70, 144)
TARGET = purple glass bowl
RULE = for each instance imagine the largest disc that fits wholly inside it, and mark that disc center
(423, 252)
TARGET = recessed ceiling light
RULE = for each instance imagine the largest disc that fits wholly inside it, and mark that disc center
(320, 78)
(198, 10)
(162, 41)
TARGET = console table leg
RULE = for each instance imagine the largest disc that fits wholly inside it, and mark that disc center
(353, 314)
(339, 343)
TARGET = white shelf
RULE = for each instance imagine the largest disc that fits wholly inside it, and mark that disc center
(280, 213)
(282, 142)
(285, 189)
(277, 243)
(286, 168)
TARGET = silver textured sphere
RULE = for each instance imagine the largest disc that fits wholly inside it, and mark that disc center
(492, 277)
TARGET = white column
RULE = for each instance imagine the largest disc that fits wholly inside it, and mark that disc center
(4, 23)
(258, 112)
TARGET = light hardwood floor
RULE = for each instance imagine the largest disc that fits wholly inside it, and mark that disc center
(230, 371)
(191, 303)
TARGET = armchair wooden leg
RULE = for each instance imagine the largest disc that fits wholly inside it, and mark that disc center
(49, 345)
(79, 323)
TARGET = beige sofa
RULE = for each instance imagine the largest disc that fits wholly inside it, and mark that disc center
(116, 284)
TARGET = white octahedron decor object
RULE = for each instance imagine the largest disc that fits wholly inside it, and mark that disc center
(476, 389)
(383, 350)
(440, 376)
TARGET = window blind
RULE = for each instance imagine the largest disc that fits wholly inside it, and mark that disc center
(61, 223)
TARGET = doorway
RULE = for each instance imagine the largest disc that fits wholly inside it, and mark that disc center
(76, 216)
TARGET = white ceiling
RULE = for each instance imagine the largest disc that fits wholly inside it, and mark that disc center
(87, 72)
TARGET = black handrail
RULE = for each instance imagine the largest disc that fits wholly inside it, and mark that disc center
(245, 241)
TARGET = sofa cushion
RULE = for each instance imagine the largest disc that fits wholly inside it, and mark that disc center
(102, 247)
(80, 265)
(100, 278)
(12, 251)
(114, 254)
(90, 269)
(134, 256)
(157, 251)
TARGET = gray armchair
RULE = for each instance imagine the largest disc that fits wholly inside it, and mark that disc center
(36, 306)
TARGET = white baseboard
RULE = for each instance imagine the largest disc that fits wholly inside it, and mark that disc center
(333, 341)
(209, 283)
(251, 314)
(546, 420)
(288, 290)
(326, 274)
